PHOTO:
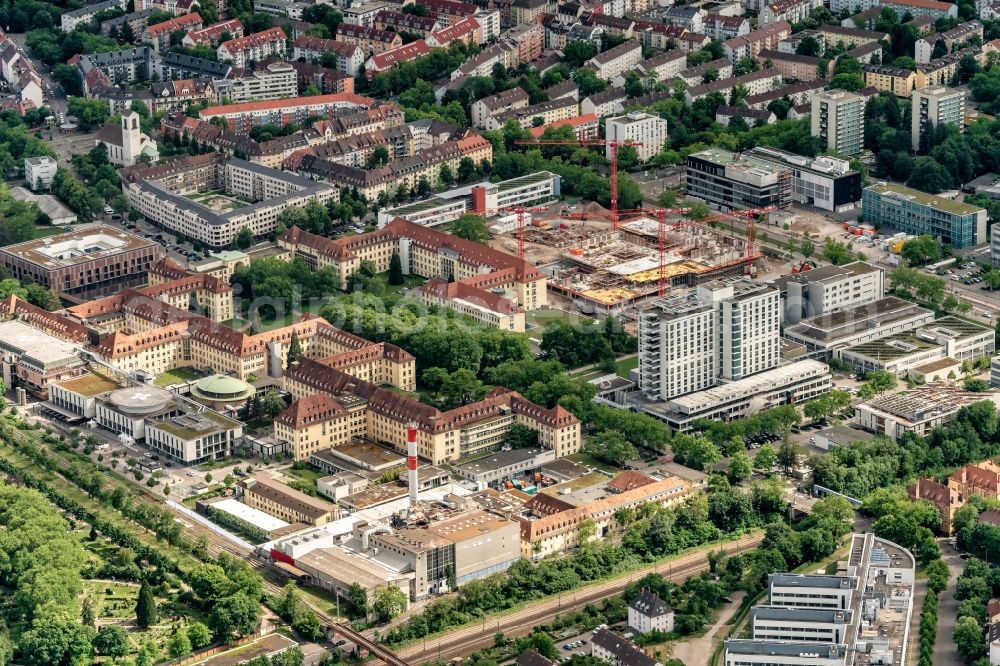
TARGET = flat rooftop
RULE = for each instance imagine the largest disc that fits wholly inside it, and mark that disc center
(255, 517)
(832, 326)
(201, 424)
(930, 200)
(89, 385)
(892, 347)
(368, 454)
(29, 342)
(753, 385)
(76, 247)
(497, 460)
(928, 401)
(813, 581)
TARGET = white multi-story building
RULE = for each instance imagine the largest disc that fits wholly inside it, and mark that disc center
(638, 127)
(727, 331)
(648, 612)
(677, 348)
(616, 60)
(196, 437)
(838, 119)
(807, 625)
(40, 172)
(810, 591)
(278, 80)
(933, 106)
(829, 288)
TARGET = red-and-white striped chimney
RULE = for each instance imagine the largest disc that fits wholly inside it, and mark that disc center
(411, 461)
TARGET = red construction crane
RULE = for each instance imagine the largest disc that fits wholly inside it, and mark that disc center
(661, 218)
(520, 211)
(613, 144)
(748, 214)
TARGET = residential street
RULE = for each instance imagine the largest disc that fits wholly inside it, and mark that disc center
(944, 647)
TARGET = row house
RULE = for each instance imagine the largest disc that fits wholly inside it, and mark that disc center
(465, 32)
(616, 60)
(749, 45)
(606, 103)
(585, 126)
(158, 34)
(178, 95)
(549, 112)
(720, 27)
(411, 24)
(370, 40)
(212, 35)
(797, 93)
(484, 109)
(694, 76)
(754, 82)
(350, 57)
(383, 62)
(659, 36)
(798, 67)
(617, 26)
(923, 50)
(252, 48)
(792, 11)
(691, 42)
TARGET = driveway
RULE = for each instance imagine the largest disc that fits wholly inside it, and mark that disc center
(944, 647)
(698, 651)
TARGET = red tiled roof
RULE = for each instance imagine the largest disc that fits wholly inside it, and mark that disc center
(456, 30)
(405, 53)
(318, 100)
(585, 119)
(178, 23)
(256, 39)
(628, 480)
(310, 410)
(325, 45)
(55, 324)
(206, 34)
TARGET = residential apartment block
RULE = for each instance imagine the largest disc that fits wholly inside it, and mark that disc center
(933, 106)
(269, 82)
(241, 117)
(640, 128)
(838, 119)
(896, 80)
(616, 60)
(253, 48)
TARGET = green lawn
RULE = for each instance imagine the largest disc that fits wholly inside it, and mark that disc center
(44, 230)
(587, 460)
(307, 474)
(624, 365)
(545, 316)
(176, 376)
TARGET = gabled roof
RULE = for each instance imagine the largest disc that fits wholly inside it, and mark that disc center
(310, 410)
(649, 604)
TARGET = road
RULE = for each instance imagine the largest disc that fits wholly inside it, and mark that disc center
(945, 651)
(464, 641)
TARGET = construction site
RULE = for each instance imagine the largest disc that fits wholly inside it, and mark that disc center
(601, 268)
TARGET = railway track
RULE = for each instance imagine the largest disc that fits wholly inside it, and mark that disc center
(463, 641)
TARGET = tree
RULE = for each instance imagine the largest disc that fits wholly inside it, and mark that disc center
(929, 176)
(199, 635)
(968, 638)
(396, 270)
(112, 641)
(462, 387)
(521, 437)
(271, 405)
(921, 250)
(244, 239)
(698, 453)
(358, 597)
(235, 615)
(578, 52)
(881, 381)
(610, 447)
(379, 157)
(766, 458)
(389, 602)
(145, 607)
(294, 349)
(808, 46)
(179, 644)
(470, 227)
(740, 468)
